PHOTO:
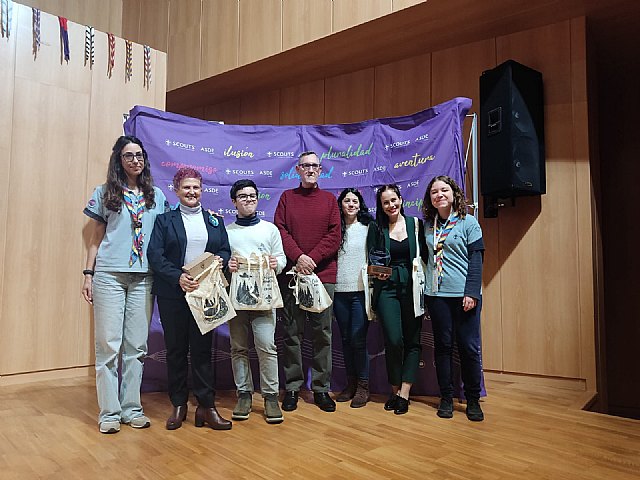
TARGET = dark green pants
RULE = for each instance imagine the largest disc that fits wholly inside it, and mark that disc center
(401, 332)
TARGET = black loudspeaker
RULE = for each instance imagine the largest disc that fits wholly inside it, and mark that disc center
(511, 132)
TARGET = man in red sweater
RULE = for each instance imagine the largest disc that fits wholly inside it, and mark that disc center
(309, 222)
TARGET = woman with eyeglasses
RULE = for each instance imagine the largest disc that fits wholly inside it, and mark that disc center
(117, 280)
(348, 300)
(179, 237)
(395, 234)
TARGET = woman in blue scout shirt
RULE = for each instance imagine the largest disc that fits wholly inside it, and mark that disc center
(117, 280)
(454, 281)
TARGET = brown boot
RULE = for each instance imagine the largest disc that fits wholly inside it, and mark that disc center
(348, 392)
(361, 396)
(178, 415)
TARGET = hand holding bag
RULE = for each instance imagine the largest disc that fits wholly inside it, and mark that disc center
(209, 303)
(254, 286)
(309, 292)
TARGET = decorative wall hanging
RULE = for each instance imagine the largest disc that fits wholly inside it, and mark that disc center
(6, 12)
(89, 47)
(64, 37)
(146, 81)
(128, 65)
(112, 53)
(35, 21)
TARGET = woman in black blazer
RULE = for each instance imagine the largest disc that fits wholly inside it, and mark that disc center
(179, 236)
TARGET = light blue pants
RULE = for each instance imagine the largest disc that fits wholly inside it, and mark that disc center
(263, 325)
(122, 306)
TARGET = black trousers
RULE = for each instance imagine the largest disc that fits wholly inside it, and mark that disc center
(452, 324)
(181, 334)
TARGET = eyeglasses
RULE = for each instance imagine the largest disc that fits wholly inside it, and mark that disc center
(309, 166)
(129, 157)
(244, 197)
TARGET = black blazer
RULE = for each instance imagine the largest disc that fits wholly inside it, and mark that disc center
(168, 246)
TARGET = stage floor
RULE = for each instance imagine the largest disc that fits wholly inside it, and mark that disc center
(48, 430)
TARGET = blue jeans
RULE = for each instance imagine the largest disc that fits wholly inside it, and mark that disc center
(263, 325)
(122, 306)
(450, 322)
(348, 308)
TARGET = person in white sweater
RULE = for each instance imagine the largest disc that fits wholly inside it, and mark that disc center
(349, 301)
(249, 234)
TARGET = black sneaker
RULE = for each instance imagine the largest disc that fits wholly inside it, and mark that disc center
(290, 401)
(445, 410)
(474, 412)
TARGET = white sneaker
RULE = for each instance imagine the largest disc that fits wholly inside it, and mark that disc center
(140, 422)
(110, 426)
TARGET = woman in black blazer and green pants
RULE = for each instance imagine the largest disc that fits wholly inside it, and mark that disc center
(393, 294)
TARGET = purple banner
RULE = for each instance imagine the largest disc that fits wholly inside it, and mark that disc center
(408, 150)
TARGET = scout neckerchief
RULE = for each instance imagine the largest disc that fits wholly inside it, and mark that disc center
(135, 204)
(440, 234)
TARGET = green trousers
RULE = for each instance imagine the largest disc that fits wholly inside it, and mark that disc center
(401, 331)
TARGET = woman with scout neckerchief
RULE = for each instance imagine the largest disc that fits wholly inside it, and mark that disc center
(454, 281)
(117, 280)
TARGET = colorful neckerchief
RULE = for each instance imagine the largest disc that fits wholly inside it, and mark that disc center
(440, 234)
(128, 64)
(35, 22)
(89, 47)
(64, 37)
(146, 80)
(135, 204)
(6, 12)
(112, 53)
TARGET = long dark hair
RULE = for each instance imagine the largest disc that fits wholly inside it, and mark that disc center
(117, 177)
(363, 216)
(459, 203)
(381, 218)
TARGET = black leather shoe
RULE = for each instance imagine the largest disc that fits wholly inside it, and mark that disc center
(445, 410)
(474, 412)
(290, 401)
(178, 415)
(402, 406)
(391, 403)
(324, 401)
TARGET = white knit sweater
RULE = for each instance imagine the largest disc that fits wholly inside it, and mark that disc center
(351, 258)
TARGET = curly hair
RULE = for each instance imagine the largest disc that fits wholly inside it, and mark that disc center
(382, 219)
(363, 216)
(117, 177)
(185, 172)
(459, 203)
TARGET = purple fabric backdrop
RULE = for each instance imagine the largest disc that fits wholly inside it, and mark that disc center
(406, 150)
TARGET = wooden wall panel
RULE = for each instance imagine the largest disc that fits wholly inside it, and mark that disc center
(104, 15)
(455, 73)
(41, 317)
(302, 104)
(304, 21)
(541, 319)
(220, 24)
(587, 258)
(59, 136)
(402, 86)
(227, 112)
(347, 13)
(260, 29)
(7, 81)
(154, 24)
(400, 4)
(349, 98)
(183, 53)
(131, 20)
(260, 109)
